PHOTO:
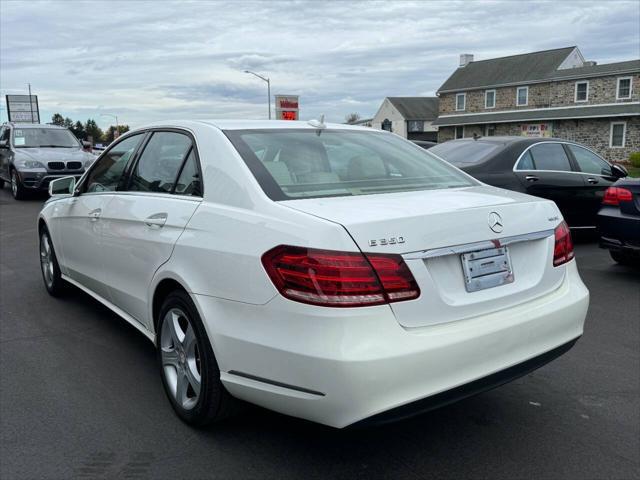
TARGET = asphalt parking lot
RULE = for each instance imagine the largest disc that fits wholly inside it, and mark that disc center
(80, 397)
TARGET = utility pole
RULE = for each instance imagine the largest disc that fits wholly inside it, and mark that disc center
(266, 79)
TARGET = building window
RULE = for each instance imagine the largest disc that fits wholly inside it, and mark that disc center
(489, 130)
(522, 96)
(461, 101)
(618, 134)
(459, 132)
(582, 91)
(624, 88)
(386, 125)
(489, 99)
(415, 126)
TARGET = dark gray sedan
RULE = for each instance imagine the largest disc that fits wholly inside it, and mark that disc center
(568, 173)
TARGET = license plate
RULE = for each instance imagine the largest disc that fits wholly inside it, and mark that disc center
(486, 269)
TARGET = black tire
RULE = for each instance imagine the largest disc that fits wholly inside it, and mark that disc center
(622, 258)
(1, 184)
(17, 189)
(213, 402)
(49, 267)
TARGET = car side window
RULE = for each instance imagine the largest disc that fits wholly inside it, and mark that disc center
(526, 162)
(105, 176)
(4, 134)
(550, 156)
(589, 162)
(158, 166)
(189, 181)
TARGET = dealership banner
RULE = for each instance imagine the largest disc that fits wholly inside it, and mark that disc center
(287, 107)
(536, 130)
(23, 108)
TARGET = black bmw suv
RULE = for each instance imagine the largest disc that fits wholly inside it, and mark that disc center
(31, 155)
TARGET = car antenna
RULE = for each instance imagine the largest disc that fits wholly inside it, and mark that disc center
(319, 124)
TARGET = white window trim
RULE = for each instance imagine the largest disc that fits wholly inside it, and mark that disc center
(485, 98)
(455, 129)
(624, 135)
(575, 95)
(618, 97)
(464, 102)
(518, 96)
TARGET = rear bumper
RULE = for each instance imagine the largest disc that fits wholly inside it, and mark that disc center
(618, 231)
(342, 366)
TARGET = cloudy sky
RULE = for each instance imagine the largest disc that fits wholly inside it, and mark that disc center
(146, 61)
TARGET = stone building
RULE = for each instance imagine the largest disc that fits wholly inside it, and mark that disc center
(553, 93)
(409, 117)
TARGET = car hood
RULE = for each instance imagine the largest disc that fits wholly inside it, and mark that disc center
(44, 155)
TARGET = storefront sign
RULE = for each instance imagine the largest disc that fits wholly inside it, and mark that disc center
(536, 130)
(23, 109)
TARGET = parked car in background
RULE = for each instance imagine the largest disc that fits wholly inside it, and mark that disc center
(264, 270)
(568, 173)
(31, 155)
(424, 144)
(619, 221)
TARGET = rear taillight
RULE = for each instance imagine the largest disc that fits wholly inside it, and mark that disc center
(339, 279)
(615, 195)
(563, 249)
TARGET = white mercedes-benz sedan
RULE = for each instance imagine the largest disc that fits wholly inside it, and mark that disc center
(334, 273)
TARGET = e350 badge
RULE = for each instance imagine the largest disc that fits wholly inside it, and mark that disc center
(386, 241)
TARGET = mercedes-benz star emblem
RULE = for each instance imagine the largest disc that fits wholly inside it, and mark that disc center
(495, 222)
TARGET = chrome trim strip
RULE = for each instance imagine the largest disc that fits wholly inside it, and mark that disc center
(274, 382)
(473, 247)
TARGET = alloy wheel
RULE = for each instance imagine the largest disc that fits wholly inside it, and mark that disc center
(181, 361)
(46, 260)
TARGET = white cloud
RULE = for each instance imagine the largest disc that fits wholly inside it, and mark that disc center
(152, 60)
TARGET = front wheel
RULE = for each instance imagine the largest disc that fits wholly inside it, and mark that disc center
(189, 370)
(17, 190)
(49, 266)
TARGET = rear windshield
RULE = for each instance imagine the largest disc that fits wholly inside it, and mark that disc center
(292, 164)
(465, 153)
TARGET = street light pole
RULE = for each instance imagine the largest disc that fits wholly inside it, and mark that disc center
(266, 79)
(116, 134)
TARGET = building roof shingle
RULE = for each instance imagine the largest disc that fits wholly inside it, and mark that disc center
(527, 67)
(416, 108)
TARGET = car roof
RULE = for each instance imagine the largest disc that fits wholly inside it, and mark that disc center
(225, 124)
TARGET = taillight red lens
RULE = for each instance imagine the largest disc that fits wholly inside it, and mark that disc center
(339, 279)
(615, 195)
(563, 250)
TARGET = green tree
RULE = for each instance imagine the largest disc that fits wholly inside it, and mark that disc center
(109, 134)
(57, 119)
(68, 123)
(93, 131)
(78, 130)
(352, 118)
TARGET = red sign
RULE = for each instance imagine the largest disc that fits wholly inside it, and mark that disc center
(287, 107)
(289, 115)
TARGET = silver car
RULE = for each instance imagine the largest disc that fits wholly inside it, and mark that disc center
(32, 155)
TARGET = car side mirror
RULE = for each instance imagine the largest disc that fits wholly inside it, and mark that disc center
(4, 144)
(619, 171)
(62, 187)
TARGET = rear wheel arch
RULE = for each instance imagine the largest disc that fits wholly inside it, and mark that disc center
(164, 288)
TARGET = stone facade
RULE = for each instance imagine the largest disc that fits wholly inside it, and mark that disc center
(543, 95)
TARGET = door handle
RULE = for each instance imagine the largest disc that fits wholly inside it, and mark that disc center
(94, 215)
(531, 178)
(156, 220)
(592, 180)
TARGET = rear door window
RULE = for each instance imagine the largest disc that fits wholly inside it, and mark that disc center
(550, 156)
(589, 162)
(106, 174)
(189, 180)
(158, 167)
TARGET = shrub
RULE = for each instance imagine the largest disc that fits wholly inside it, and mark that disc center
(634, 158)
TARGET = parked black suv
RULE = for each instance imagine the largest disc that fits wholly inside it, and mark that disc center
(31, 155)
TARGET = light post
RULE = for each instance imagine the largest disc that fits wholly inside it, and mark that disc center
(266, 79)
(116, 134)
